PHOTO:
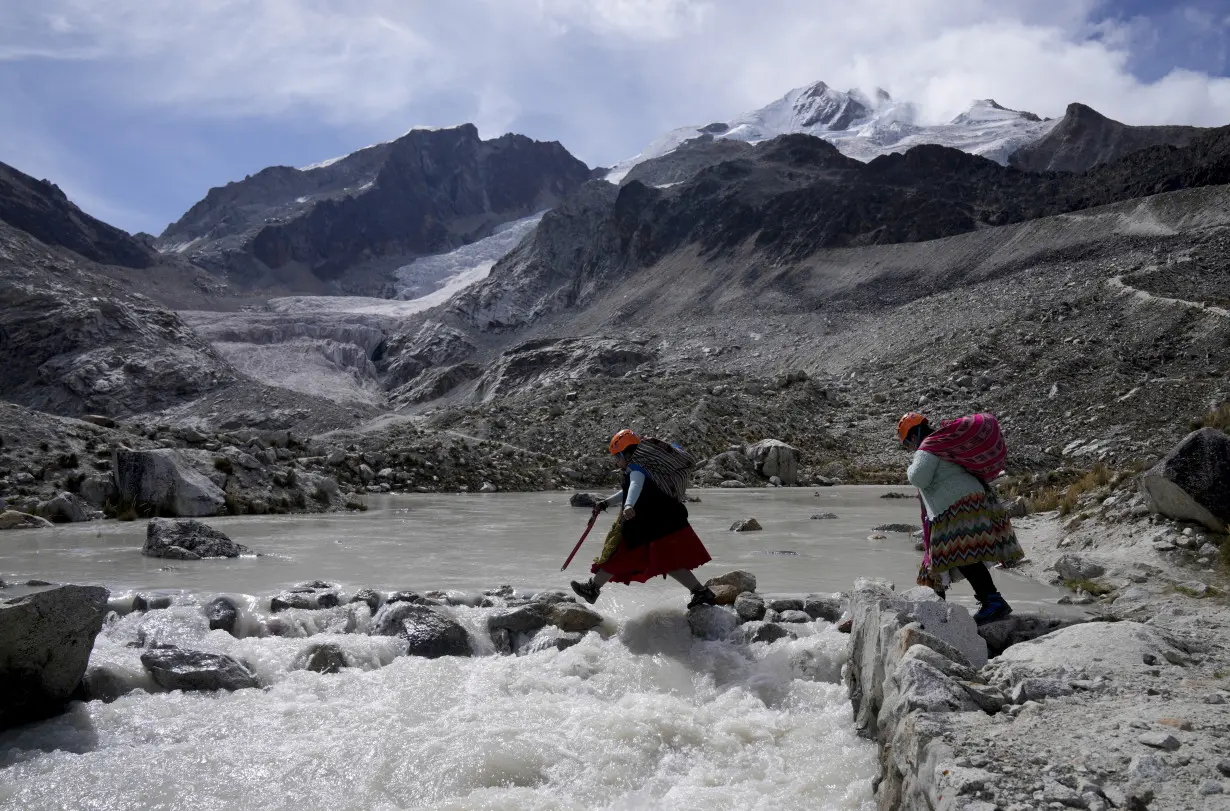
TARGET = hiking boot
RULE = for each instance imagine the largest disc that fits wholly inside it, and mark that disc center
(586, 591)
(702, 596)
(994, 608)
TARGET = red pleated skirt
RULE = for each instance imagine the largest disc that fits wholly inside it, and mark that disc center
(681, 549)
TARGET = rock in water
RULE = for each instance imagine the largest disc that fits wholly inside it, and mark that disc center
(746, 525)
(163, 481)
(570, 617)
(222, 613)
(187, 539)
(324, 657)
(1192, 482)
(178, 669)
(773, 457)
(524, 619)
(741, 580)
(750, 606)
(429, 632)
(65, 508)
(584, 499)
(12, 519)
(712, 621)
(45, 644)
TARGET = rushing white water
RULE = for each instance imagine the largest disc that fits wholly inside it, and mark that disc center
(640, 715)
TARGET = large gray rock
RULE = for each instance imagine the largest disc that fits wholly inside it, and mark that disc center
(12, 519)
(523, 619)
(1192, 483)
(65, 508)
(187, 539)
(162, 481)
(1075, 567)
(45, 644)
(179, 669)
(750, 606)
(573, 618)
(742, 581)
(773, 457)
(222, 614)
(428, 632)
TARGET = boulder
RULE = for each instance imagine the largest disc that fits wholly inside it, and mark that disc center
(324, 657)
(369, 596)
(45, 644)
(1074, 567)
(712, 621)
(12, 519)
(175, 668)
(307, 599)
(187, 539)
(550, 639)
(150, 602)
(163, 482)
(584, 499)
(741, 580)
(1192, 482)
(764, 632)
(222, 614)
(97, 490)
(773, 457)
(65, 508)
(785, 604)
(523, 619)
(724, 594)
(829, 607)
(749, 606)
(793, 615)
(571, 617)
(746, 525)
(428, 632)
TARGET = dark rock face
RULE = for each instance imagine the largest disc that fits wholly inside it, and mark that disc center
(40, 209)
(1085, 138)
(162, 482)
(686, 160)
(793, 196)
(178, 669)
(75, 342)
(425, 364)
(325, 657)
(426, 192)
(186, 539)
(223, 614)
(1192, 483)
(65, 508)
(429, 633)
(45, 644)
(542, 361)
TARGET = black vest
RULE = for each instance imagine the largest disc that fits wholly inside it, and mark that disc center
(657, 514)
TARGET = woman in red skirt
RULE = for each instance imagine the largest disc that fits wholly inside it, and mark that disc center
(651, 536)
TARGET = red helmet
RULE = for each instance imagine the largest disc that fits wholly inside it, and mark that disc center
(910, 421)
(623, 440)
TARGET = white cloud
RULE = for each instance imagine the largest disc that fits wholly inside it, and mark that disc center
(601, 76)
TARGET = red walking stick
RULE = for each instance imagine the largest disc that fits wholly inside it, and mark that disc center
(588, 527)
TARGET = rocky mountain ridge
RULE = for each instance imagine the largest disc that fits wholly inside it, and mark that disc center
(1084, 138)
(41, 209)
(345, 225)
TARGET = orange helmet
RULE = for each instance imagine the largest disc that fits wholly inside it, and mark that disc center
(623, 440)
(909, 422)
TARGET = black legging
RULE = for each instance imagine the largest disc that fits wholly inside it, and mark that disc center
(979, 578)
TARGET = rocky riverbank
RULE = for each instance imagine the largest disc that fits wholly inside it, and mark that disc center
(1128, 710)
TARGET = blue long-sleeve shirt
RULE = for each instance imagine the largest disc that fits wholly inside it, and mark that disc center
(636, 482)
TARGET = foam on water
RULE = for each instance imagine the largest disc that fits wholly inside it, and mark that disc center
(642, 715)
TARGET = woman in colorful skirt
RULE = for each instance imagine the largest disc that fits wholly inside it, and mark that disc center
(651, 535)
(964, 525)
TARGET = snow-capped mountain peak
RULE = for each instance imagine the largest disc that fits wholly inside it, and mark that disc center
(862, 126)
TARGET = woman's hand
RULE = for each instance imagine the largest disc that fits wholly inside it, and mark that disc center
(629, 513)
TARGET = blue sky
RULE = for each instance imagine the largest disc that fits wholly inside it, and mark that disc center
(137, 107)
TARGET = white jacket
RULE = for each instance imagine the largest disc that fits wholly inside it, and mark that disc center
(941, 483)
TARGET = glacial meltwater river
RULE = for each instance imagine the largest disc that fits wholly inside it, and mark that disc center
(640, 716)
